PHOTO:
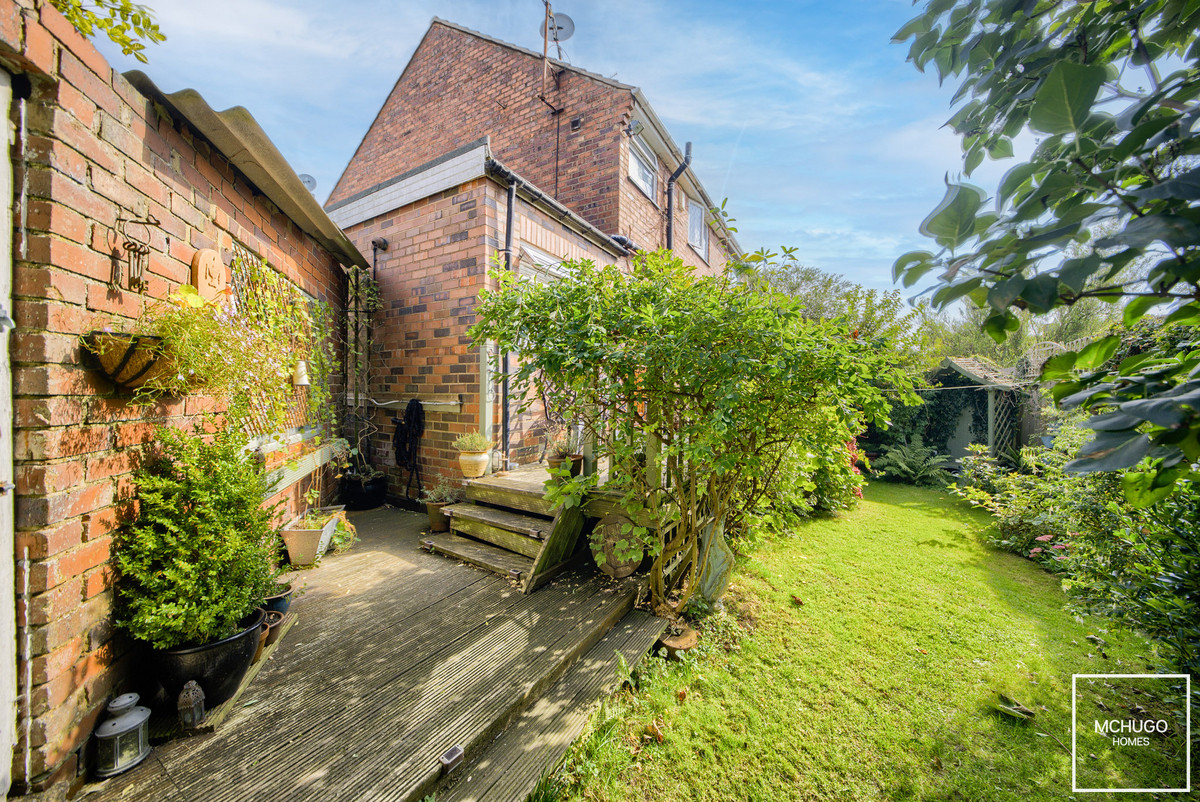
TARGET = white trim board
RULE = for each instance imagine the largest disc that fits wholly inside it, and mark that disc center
(437, 178)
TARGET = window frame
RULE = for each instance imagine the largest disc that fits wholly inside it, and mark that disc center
(641, 155)
(701, 248)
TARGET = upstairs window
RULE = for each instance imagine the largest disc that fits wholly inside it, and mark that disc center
(643, 167)
(697, 229)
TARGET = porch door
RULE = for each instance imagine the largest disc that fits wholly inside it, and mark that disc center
(8, 614)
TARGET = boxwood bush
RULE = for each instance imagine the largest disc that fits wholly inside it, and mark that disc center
(198, 555)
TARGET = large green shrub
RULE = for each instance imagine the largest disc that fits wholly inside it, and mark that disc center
(716, 381)
(1138, 566)
(197, 558)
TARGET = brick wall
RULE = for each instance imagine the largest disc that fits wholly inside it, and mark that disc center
(440, 249)
(94, 150)
(458, 88)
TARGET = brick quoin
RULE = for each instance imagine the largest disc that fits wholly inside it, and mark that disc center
(97, 149)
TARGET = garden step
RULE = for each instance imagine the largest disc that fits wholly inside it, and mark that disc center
(531, 525)
(485, 555)
(505, 494)
(509, 768)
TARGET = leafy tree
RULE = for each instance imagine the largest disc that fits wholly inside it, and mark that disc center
(882, 318)
(126, 23)
(695, 388)
(1112, 88)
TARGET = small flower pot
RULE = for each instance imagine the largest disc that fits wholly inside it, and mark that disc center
(474, 463)
(274, 619)
(439, 521)
(279, 602)
(263, 633)
(305, 546)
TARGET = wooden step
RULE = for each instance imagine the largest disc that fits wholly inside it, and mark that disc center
(530, 525)
(509, 768)
(485, 555)
(509, 530)
(515, 497)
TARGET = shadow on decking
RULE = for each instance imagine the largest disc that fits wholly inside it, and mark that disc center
(397, 656)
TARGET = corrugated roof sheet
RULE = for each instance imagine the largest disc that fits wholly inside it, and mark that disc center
(238, 137)
(981, 372)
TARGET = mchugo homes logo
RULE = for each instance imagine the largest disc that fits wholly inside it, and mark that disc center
(1129, 724)
(1124, 731)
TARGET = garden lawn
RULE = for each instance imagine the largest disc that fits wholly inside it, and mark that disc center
(860, 660)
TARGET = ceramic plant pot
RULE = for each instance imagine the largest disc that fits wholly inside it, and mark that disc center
(218, 667)
(305, 546)
(281, 601)
(474, 463)
(263, 632)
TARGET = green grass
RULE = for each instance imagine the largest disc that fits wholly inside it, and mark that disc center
(879, 686)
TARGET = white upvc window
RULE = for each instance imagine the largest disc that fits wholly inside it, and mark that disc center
(541, 267)
(643, 167)
(697, 229)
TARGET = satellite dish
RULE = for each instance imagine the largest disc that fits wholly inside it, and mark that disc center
(562, 28)
(308, 181)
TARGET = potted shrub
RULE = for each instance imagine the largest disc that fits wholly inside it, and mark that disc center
(440, 495)
(195, 563)
(560, 452)
(474, 454)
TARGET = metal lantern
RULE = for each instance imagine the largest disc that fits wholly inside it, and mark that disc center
(191, 705)
(122, 741)
(300, 375)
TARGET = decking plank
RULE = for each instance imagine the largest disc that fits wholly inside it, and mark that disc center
(510, 541)
(514, 497)
(397, 655)
(346, 751)
(511, 766)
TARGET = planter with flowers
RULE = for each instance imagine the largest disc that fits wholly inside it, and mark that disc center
(435, 499)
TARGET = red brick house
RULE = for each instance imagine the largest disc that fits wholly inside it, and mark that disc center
(91, 148)
(475, 133)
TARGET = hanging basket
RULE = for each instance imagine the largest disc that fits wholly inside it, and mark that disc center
(128, 360)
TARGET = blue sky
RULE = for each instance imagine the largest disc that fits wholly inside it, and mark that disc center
(802, 113)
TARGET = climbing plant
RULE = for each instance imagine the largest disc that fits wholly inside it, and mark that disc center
(694, 388)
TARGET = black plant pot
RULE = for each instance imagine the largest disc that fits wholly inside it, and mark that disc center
(360, 495)
(218, 667)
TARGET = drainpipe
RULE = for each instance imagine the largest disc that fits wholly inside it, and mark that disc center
(687, 159)
(508, 266)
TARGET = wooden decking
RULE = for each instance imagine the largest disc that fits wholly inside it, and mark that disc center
(397, 657)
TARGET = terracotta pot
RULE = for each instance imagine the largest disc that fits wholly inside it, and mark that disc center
(474, 463)
(575, 460)
(439, 521)
(262, 642)
(274, 619)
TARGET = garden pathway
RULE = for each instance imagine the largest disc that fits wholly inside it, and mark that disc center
(397, 656)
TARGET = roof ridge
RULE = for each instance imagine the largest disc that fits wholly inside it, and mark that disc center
(565, 65)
